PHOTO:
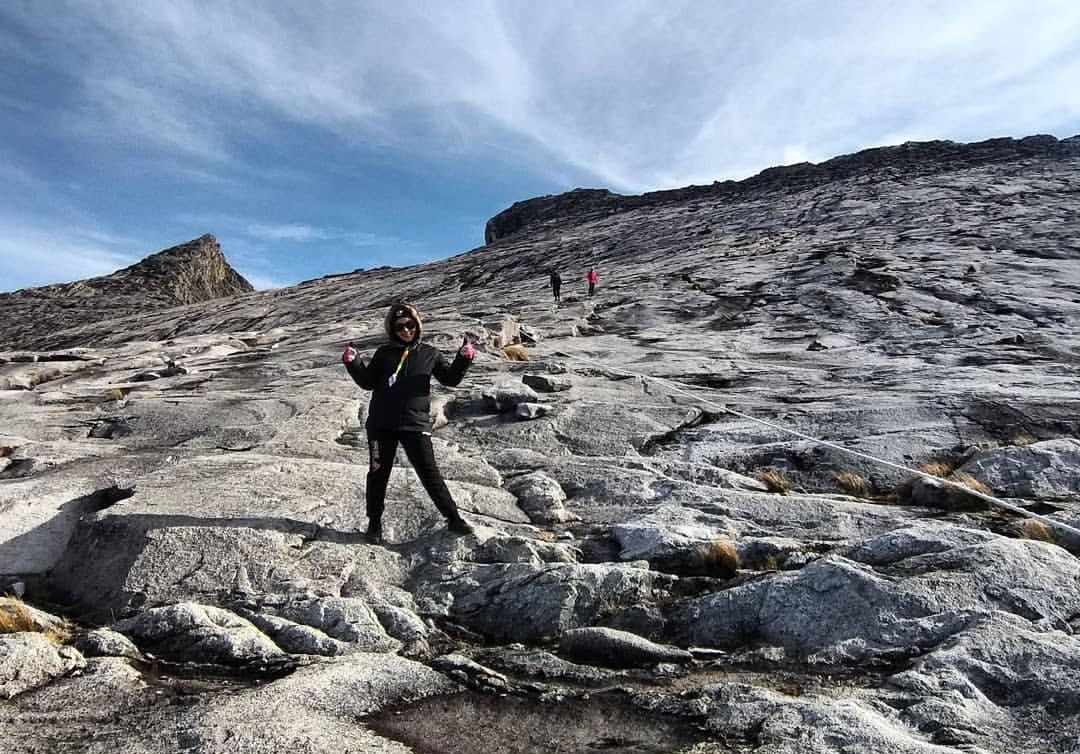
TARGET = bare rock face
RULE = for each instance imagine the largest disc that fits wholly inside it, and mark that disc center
(907, 159)
(190, 273)
(714, 486)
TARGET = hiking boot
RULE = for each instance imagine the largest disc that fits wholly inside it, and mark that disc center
(459, 526)
(373, 535)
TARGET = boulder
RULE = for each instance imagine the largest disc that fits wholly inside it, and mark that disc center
(507, 395)
(199, 633)
(347, 619)
(546, 383)
(594, 645)
(1048, 470)
(541, 497)
(528, 411)
(29, 660)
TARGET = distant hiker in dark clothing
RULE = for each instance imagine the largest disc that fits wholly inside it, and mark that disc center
(556, 285)
(593, 279)
(399, 377)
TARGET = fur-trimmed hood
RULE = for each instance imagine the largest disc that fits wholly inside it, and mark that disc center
(397, 311)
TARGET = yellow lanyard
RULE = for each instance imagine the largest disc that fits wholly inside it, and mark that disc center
(400, 364)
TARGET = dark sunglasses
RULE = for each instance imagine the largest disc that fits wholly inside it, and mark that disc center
(408, 325)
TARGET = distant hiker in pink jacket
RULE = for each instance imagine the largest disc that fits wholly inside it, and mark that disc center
(593, 279)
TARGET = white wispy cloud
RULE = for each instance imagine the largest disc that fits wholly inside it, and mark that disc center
(637, 93)
(32, 256)
(302, 233)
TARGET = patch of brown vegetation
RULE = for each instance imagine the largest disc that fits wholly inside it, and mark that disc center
(774, 480)
(853, 484)
(959, 499)
(1022, 439)
(1031, 528)
(772, 563)
(938, 468)
(718, 559)
(516, 353)
(17, 617)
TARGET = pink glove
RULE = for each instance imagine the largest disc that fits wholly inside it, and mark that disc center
(467, 350)
(349, 355)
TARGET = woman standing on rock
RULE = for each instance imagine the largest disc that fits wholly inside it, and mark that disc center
(399, 377)
(592, 278)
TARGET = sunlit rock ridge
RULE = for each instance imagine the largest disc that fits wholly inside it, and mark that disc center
(655, 569)
(190, 273)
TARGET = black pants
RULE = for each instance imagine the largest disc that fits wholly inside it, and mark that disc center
(592, 288)
(382, 446)
(555, 292)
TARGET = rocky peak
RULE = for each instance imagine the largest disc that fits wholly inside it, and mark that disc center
(185, 274)
(908, 160)
(189, 273)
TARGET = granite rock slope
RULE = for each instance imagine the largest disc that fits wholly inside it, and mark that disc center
(645, 522)
(191, 273)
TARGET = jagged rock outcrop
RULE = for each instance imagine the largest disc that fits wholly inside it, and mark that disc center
(189, 273)
(906, 160)
(639, 500)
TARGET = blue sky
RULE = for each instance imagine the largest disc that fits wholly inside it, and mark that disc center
(321, 137)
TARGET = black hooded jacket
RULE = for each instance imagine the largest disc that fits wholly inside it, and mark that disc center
(405, 405)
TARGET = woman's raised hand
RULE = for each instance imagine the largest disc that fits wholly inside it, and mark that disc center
(467, 350)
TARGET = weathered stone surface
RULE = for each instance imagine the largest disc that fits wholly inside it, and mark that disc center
(1048, 470)
(523, 603)
(546, 383)
(668, 537)
(29, 660)
(594, 645)
(517, 549)
(507, 396)
(295, 638)
(541, 665)
(104, 642)
(405, 626)
(348, 619)
(186, 274)
(985, 679)
(529, 411)
(541, 497)
(914, 605)
(188, 631)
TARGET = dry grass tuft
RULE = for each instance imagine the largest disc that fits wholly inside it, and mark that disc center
(966, 479)
(17, 617)
(772, 563)
(774, 480)
(958, 499)
(718, 559)
(1030, 528)
(1022, 439)
(118, 393)
(59, 633)
(853, 484)
(516, 353)
(938, 468)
